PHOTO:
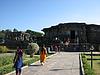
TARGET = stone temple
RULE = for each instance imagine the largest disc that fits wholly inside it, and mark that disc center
(80, 34)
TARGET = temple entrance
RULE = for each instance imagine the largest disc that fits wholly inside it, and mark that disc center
(72, 36)
(71, 43)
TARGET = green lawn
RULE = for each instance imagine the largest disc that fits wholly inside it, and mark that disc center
(96, 67)
(96, 63)
(94, 57)
(6, 62)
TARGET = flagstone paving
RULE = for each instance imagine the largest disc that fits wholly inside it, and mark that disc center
(63, 63)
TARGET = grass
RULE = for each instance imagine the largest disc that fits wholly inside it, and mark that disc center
(96, 67)
(96, 63)
(6, 62)
(94, 57)
(86, 66)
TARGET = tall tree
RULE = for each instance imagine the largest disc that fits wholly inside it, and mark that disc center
(8, 30)
(34, 33)
(15, 30)
(2, 35)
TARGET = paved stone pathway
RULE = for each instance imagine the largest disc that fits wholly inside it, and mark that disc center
(64, 63)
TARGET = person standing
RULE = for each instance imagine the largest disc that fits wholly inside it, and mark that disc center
(55, 48)
(43, 54)
(18, 61)
(59, 48)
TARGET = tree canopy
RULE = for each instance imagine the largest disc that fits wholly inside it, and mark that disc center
(2, 35)
(34, 33)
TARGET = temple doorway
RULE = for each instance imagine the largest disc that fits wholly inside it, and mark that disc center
(72, 36)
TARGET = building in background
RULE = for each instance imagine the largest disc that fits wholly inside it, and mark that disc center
(79, 34)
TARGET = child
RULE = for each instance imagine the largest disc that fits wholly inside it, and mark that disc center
(18, 61)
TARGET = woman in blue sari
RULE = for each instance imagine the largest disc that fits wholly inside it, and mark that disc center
(18, 61)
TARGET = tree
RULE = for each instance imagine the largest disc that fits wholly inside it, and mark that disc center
(2, 35)
(34, 33)
(8, 30)
(15, 30)
(33, 48)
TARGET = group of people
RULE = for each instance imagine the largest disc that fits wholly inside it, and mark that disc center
(18, 59)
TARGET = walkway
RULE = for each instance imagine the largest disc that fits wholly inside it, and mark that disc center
(64, 63)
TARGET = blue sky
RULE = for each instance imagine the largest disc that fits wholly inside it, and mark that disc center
(38, 14)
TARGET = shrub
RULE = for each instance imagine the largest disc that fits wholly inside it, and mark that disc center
(6, 64)
(3, 49)
(33, 48)
(87, 68)
(27, 62)
(31, 60)
(5, 60)
(6, 69)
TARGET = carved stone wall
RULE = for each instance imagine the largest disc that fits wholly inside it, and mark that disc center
(74, 31)
(80, 33)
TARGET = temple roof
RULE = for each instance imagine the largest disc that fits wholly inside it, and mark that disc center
(69, 25)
